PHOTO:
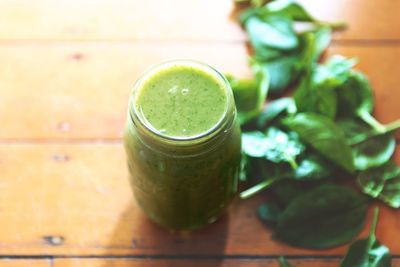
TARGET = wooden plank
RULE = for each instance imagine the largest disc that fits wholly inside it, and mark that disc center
(74, 199)
(24, 263)
(159, 20)
(195, 263)
(126, 20)
(80, 91)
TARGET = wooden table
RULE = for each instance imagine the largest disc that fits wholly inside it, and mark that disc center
(66, 70)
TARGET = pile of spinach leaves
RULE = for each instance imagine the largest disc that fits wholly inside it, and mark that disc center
(302, 149)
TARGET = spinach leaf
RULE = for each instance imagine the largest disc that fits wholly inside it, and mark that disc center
(382, 182)
(244, 167)
(283, 147)
(320, 100)
(288, 190)
(324, 136)
(291, 9)
(282, 72)
(283, 52)
(355, 130)
(335, 71)
(322, 218)
(391, 192)
(286, 69)
(369, 148)
(310, 168)
(249, 94)
(284, 263)
(322, 39)
(297, 12)
(269, 212)
(255, 3)
(254, 144)
(374, 151)
(355, 95)
(275, 145)
(269, 31)
(274, 109)
(355, 98)
(317, 91)
(358, 131)
(367, 252)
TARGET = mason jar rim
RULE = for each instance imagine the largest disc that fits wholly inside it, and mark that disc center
(177, 139)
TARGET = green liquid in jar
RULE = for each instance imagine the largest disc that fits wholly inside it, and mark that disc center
(183, 144)
(181, 101)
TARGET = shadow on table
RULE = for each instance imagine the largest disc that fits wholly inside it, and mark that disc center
(141, 238)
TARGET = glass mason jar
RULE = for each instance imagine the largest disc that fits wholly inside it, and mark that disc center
(183, 182)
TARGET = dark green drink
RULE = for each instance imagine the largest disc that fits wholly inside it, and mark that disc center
(183, 144)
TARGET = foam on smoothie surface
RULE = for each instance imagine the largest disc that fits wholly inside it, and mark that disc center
(181, 100)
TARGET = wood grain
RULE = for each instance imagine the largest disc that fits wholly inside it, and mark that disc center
(74, 199)
(24, 263)
(205, 20)
(66, 71)
(195, 263)
(80, 91)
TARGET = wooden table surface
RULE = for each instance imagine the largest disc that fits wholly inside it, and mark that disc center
(66, 70)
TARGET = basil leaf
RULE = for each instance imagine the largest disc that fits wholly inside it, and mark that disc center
(382, 182)
(269, 212)
(367, 252)
(374, 151)
(274, 109)
(324, 136)
(283, 262)
(322, 218)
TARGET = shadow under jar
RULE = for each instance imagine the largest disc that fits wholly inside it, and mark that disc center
(182, 140)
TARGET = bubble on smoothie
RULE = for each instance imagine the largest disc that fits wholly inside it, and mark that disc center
(173, 90)
(185, 91)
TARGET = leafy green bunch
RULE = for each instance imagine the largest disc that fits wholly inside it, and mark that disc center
(302, 148)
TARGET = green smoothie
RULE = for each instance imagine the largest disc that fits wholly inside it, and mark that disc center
(181, 101)
(183, 144)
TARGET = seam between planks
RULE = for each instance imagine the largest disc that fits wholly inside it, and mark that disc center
(335, 42)
(179, 257)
